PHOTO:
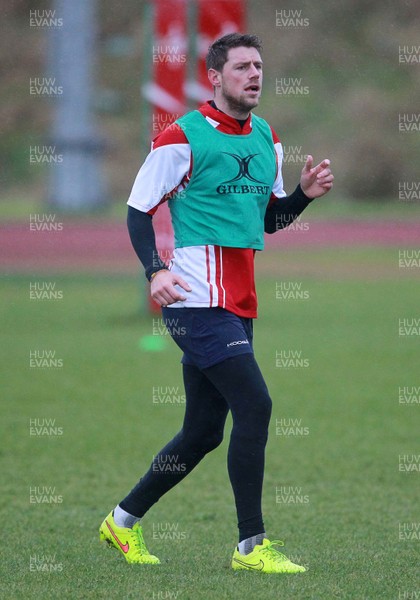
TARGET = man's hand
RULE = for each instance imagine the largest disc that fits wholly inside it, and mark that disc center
(316, 181)
(162, 287)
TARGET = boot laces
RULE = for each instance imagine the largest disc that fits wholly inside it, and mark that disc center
(273, 553)
(138, 540)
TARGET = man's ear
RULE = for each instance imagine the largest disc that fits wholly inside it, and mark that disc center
(215, 77)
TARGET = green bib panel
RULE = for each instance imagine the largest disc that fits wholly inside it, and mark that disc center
(232, 177)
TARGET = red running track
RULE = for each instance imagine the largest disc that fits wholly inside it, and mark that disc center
(105, 247)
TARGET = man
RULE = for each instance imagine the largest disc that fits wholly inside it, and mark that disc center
(220, 169)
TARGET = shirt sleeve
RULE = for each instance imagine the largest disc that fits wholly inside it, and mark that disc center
(142, 237)
(277, 189)
(283, 211)
(165, 171)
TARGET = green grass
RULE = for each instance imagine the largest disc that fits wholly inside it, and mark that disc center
(347, 466)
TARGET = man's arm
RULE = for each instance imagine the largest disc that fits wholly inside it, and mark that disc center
(142, 237)
(314, 183)
(166, 167)
(283, 211)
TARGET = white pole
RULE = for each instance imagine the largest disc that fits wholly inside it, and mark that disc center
(75, 184)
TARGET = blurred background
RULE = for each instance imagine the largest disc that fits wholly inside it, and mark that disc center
(91, 382)
(350, 57)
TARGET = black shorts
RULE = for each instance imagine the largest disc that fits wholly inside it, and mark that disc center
(208, 336)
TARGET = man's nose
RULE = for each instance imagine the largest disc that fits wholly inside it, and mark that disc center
(254, 71)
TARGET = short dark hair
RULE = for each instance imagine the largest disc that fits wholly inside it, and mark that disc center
(218, 51)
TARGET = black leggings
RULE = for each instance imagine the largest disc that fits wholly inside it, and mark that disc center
(236, 384)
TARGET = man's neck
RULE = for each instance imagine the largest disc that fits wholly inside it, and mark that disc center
(240, 121)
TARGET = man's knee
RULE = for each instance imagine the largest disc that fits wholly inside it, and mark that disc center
(204, 442)
(213, 440)
(253, 423)
(264, 403)
(260, 412)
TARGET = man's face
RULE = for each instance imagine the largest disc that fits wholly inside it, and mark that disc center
(241, 78)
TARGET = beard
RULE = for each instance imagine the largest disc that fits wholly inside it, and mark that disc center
(240, 105)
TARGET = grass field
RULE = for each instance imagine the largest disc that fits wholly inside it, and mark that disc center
(333, 489)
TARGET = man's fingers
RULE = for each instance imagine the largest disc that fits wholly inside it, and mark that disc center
(327, 179)
(308, 164)
(177, 280)
(323, 166)
(316, 181)
(309, 168)
(323, 173)
(165, 297)
(163, 288)
(327, 185)
(170, 294)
